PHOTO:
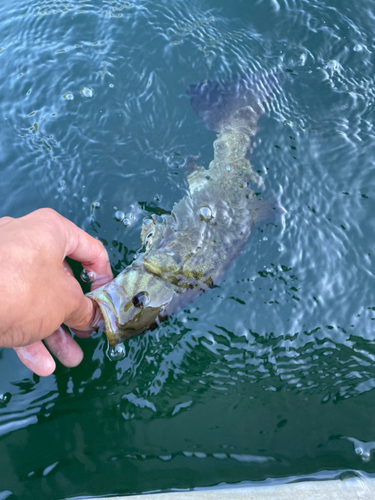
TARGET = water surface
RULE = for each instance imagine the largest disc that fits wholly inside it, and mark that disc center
(270, 375)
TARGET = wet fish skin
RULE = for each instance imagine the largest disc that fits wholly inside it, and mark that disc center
(190, 250)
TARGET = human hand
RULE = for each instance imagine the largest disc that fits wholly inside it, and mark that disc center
(39, 291)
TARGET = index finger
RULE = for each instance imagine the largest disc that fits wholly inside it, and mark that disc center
(91, 253)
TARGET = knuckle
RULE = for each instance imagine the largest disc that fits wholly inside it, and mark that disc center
(6, 219)
(48, 213)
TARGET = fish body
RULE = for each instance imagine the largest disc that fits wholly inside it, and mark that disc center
(189, 250)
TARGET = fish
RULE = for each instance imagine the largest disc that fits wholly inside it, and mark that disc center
(187, 251)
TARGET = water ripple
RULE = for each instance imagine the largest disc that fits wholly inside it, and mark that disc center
(267, 371)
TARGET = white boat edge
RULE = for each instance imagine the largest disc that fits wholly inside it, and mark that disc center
(361, 488)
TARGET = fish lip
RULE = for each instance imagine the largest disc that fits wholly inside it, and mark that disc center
(109, 315)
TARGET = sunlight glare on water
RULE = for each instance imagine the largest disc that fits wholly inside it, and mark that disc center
(271, 373)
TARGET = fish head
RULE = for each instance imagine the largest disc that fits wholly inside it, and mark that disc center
(135, 301)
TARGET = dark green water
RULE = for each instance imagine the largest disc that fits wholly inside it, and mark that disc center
(271, 375)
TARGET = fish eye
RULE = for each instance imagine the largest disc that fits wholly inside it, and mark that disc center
(140, 299)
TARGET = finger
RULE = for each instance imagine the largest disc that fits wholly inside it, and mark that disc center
(67, 268)
(91, 254)
(77, 244)
(82, 334)
(5, 220)
(37, 358)
(85, 318)
(66, 350)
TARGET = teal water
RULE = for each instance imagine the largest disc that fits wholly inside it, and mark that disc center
(271, 375)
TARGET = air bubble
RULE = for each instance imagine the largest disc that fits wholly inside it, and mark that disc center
(87, 92)
(87, 276)
(126, 222)
(5, 398)
(227, 168)
(69, 96)
(95, 204)
(366, 456)
(116, 353)
(206, 213)
(357, 48)
(265, 238)
(85, 199)
(119, 215)
(111, 85)
(157, 198)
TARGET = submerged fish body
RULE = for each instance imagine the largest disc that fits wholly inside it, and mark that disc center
(189, 250)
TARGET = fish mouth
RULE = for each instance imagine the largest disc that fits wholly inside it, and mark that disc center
(114, 330)
(109, 316)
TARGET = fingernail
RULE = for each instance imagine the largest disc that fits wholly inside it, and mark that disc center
(23, 351)
(100, 279)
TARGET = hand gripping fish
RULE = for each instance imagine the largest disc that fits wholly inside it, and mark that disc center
(189, 250)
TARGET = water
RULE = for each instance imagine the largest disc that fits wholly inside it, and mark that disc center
(271, 375)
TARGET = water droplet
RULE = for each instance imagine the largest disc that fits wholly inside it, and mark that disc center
(111, 85)
(333, 65)
(95, 204)
(357, 48)
(206, 213)
(87, 276)
(366, 455)
(69, 96)
(265, 238)
(116, 353)
(227, 168)
(5, 398)
(87, 92)
(126, 222)
(119, 215)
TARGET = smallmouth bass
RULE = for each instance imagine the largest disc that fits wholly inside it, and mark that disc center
(190, 249)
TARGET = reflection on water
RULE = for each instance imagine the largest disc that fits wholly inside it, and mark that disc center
(270, 374)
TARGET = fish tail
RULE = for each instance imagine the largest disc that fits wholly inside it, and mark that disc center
(218, 102)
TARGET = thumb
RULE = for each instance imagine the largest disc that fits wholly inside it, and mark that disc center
(85, 318)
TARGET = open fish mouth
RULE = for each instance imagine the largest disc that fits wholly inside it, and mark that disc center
(108, 314)
(134, 302)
